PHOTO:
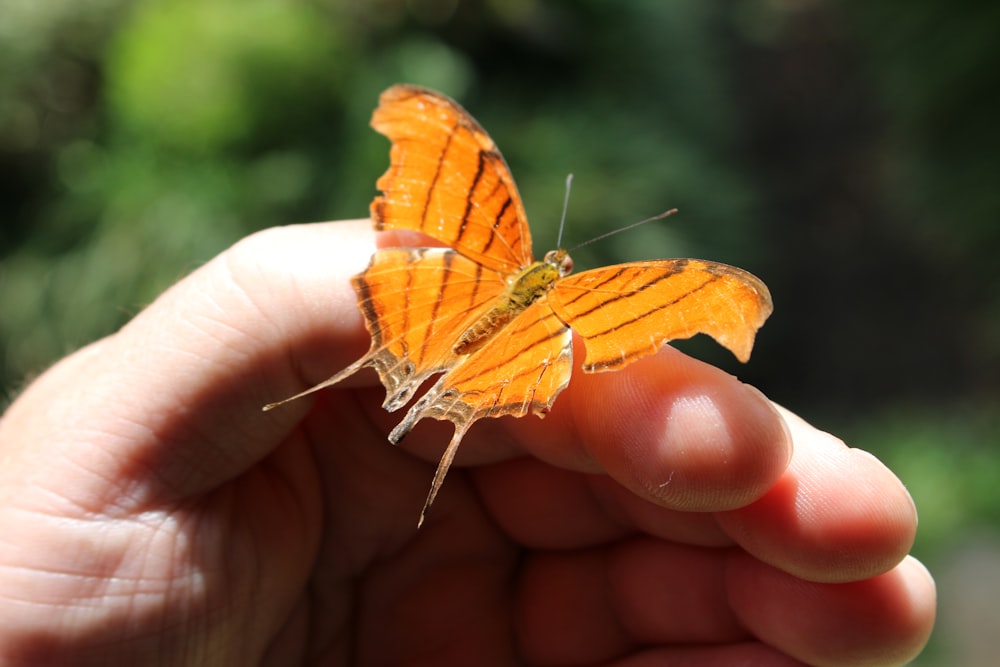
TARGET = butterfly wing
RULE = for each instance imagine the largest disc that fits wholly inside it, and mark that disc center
(520, 370)
(627, 311)
(416, 303)
(447, 179)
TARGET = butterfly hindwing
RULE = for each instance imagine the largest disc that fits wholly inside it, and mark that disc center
(521, 370)
(416, 303)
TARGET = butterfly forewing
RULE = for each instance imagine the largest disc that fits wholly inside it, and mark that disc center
(448, 180)
(626, 311)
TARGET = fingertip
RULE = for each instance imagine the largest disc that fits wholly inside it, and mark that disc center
(838, 514)
(921, 587)
(885, 619)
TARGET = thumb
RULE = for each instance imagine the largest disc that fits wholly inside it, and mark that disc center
(175, 395)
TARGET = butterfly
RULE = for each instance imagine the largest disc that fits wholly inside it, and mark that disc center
(481, 312)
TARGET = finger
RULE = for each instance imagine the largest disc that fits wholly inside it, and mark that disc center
(546, 507)
(883, 620)
(838, 514)
(602, 604)
(175, 396)
(606, 604)
(673, 430)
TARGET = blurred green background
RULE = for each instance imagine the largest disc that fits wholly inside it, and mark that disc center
(845, 152)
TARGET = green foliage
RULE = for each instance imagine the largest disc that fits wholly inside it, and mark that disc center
(948, 460)
(204, 77)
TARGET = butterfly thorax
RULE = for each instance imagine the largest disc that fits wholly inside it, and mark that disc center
(524, 288)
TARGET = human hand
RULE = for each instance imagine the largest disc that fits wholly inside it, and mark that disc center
(150, 513)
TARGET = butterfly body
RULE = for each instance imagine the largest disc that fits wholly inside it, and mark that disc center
(495, 325)
(524, 289)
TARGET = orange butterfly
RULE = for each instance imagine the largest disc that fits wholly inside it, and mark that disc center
(481, 311)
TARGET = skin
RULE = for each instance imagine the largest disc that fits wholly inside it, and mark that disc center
(150, 513)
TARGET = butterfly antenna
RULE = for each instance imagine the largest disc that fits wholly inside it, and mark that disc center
(562, 223)
(661, 216)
